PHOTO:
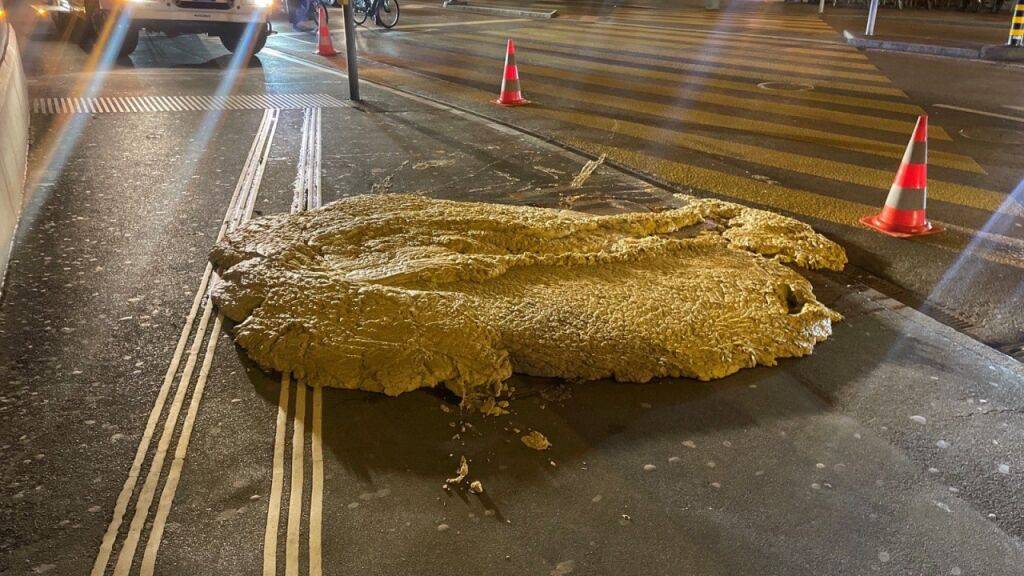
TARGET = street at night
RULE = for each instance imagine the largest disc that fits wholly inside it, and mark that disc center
(204, 370)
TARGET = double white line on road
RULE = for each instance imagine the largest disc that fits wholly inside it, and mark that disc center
(239, 210)
(306, 197)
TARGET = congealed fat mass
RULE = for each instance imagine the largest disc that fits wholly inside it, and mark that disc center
(390, 293)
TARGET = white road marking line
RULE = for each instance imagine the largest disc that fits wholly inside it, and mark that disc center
(149, 487)
(980, 112)
(124, 498)
(277, 480)
(305, 196)
(251, 190)
(107, 105)
(174, 475)
(793, 39)
(145, 498)
(296, 35)
(291, 567)
(1017, 108)
(316, 505)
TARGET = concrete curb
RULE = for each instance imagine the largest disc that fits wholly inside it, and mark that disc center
(901, 46)
(995, 52)
(463, 6)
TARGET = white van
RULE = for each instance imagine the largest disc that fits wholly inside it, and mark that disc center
(230, 20)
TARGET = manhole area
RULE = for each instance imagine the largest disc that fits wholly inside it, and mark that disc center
(993, 134)
(785, 86)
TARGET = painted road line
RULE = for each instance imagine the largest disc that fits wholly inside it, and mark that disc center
(732, 24)
(1017, 108)
(174, 475)
(777, 49)
(307, 181)
(362, 30)
(948, 192)
(672, 80)
(314, 199)
(243, 213)
(276, 483)
(607, 60)
(295, 491)
(761, 102)
(306, 195)
(316, 504)
(750, 35)
(981, 112)
(145, 499)
(719, 120)
(858, 74)
(669, 49)
(123, 104)
(867, 74)
(791, 200)
(747, 190)
(124, 498)
(146, 494)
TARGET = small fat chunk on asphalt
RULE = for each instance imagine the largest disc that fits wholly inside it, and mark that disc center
(536, 440)
(461, 472)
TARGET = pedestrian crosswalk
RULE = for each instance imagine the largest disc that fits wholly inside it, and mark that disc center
(181, 103)
(680, 98)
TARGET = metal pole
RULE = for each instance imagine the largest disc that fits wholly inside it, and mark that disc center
(350, 52)
(872, 13)
(821, 7)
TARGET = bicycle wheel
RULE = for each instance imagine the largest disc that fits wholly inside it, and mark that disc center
(387, 13)
(359, 10)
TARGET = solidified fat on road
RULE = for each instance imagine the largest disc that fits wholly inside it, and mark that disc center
(390, 293)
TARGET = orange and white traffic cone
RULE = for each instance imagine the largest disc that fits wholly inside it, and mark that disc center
(510, 93)
(324, 47)
(903, 215)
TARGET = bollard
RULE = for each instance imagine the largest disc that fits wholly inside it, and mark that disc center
(350, 52)
(1017, 26)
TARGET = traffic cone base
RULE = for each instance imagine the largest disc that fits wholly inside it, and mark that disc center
(888, 228)
(324, 47)
(510, 94)
(512, 101)
(903, 214)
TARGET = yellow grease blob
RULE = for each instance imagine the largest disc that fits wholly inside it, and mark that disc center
(390, 293)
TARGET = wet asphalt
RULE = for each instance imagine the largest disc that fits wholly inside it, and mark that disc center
(896, 448)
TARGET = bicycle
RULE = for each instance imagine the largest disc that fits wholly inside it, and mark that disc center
(385, 12)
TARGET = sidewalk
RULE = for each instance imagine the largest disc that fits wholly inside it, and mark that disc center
(939, 32)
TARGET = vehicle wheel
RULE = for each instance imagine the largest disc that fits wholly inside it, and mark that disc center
(387, 13)
(97, 19)
(232, 38)
(359, 11)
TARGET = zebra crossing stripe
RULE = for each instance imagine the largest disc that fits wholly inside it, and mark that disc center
(133, 104)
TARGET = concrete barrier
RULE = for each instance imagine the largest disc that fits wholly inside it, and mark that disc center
(13, 141)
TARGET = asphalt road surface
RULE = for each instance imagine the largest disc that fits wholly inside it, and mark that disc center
(137, 439)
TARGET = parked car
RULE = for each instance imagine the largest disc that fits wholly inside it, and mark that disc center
(227, 19)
